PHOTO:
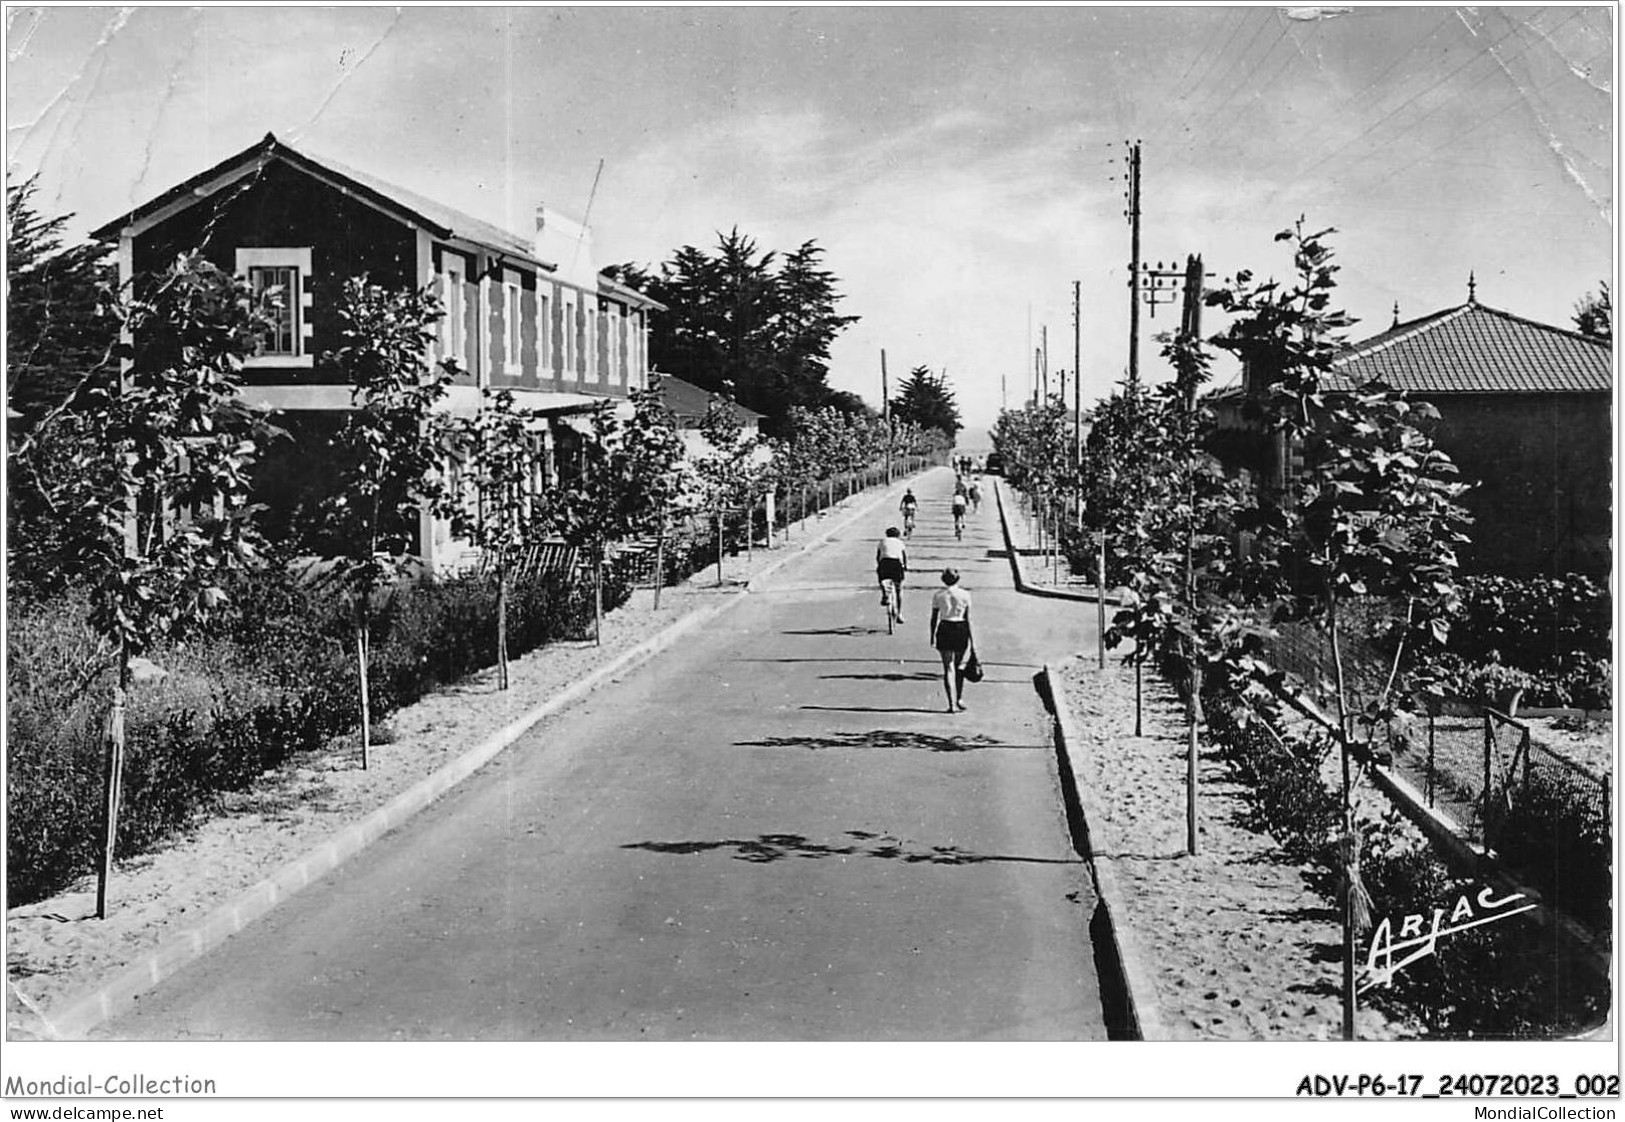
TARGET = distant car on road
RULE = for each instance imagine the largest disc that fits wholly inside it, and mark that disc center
(994, 465)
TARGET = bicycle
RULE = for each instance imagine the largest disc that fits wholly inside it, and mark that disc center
(891, 594)
(908, 523)
(959, 526)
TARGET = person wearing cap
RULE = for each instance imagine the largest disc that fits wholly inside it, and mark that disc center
(950, 633)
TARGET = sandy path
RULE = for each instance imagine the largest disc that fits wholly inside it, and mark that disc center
(1237, 945)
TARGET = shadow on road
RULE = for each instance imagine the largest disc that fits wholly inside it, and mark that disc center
(850, 630)
(775, 847)
(918, 676)
(891, 738)
(850, 661)
(869, 709)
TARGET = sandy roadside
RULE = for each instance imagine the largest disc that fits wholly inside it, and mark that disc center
(1236, 944)
(56, 950)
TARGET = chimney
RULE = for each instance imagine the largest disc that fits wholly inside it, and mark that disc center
(541, 217)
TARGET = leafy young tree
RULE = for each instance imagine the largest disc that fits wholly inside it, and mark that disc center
(796, 458)
(649, 459)
(504, 515)
(724, 466)
(1372, 511)
(590, 511)
(1180, 561)
(389, 454)
(164, 482)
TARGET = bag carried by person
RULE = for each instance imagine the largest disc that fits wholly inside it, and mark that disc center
(971, 671)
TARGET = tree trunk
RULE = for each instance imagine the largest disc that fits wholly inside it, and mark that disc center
(598, 596)
(113, 777)
(660, 561)
(750, 527)
(361, 645)
(1193, 721)
(502, 625)
(1350, 997)
(1139, 690)
(719, 546)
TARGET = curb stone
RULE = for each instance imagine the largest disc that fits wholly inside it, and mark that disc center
(85, 1012)
(1022, 584)
(1145, 1015)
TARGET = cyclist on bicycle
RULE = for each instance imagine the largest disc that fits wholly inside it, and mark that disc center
(959, 512)
(891, 562)
(909, 507)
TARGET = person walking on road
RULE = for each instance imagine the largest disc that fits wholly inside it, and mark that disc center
(975, 495)
(950, 634)
(891, 564)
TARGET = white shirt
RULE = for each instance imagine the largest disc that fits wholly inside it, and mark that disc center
(951, 603)
(889, 547)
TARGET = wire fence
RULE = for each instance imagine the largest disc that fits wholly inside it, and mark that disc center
(1542, 813)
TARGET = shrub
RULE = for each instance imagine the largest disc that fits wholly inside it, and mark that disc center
(1528, 623)
(1290, 802)
(1557, 830)
(272, 680)
(1502, 980)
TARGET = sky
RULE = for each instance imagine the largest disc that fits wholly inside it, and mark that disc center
(961, 166)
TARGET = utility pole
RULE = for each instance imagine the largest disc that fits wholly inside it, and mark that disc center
(1134, 269)
(1077, 401)
(885, 411)
(1044, 338)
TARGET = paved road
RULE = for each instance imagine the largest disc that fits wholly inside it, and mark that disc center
(773, 833)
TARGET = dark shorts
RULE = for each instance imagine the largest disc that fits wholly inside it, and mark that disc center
(953, 636)
(889, 568)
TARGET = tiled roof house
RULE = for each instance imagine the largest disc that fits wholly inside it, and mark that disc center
(1526, 414)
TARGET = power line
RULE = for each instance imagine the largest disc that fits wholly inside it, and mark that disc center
(1322, 161)
(1377, 81)
(1213, 140)
(1263, 23)
(1185, 154)
(1457, 137)
(1213, 60)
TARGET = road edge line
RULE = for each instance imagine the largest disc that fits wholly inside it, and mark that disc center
(1015, 565)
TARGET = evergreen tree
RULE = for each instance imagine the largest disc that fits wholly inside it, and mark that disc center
(743, 321)
(1594, 314)
(926, 400)
(56, 333)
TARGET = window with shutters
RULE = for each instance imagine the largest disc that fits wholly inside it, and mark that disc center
(280, 281)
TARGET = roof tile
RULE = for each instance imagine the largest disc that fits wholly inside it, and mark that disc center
(1476, 349)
